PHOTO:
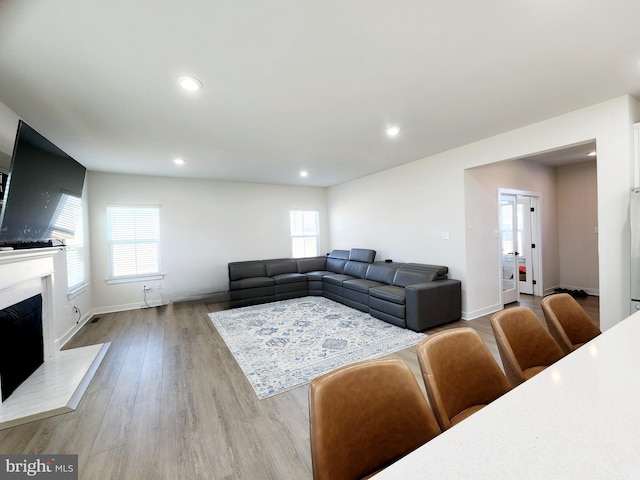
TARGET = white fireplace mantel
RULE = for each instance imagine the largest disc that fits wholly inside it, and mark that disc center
(14, 256)
(58, 384)
(24, 273)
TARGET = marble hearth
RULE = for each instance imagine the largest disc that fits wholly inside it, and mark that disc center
(58, 385)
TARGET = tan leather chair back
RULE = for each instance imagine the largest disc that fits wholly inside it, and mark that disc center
(567, 321)
(460, 374)
(365, 416)
(524, 344)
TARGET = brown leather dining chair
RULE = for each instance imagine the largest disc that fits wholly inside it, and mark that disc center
(365, 416)
(567, 321)
(460, 374)
(526, 347)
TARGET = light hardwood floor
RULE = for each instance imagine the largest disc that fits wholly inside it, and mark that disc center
(170, 402)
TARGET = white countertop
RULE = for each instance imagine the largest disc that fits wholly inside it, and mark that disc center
(578, 419)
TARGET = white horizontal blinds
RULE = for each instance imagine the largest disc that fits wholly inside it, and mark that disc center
(66, 216)
(66, 223)
(75, 266)
(304, 233)
(134, 240)
(76, 275)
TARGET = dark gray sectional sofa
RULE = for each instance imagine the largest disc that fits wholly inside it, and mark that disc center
(409, 295)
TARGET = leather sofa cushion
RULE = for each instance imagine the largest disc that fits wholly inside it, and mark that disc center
(289, 278)
(355, 269)
(252, 282)
(317, 275)
(405, 276)
(341, 254)
(440, 271)
(381, 272)
(335, 265)
(336, 278)
(362, 255)
(280, 265)
(389, 293)
(360, 285)
(311, 264)
(248, 269)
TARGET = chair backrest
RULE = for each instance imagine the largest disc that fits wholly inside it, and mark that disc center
(567, 321)
(365, 416)
(525, 345)
(459, 373)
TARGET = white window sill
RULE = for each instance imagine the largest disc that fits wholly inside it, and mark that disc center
(136, 278)
(75, 291)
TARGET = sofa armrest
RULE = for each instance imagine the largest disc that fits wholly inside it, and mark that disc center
(433, 303)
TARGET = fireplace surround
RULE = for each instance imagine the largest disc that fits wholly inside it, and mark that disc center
(58, 384)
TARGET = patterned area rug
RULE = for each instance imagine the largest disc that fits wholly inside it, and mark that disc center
(282, 345)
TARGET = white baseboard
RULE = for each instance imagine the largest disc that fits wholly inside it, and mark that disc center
(481, 312)
(69, 334)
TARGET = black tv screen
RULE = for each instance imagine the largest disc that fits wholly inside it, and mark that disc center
(42, 198)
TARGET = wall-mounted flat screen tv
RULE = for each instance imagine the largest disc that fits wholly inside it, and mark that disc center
(43, 194)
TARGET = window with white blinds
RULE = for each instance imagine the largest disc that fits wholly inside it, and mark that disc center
(133, 235)
(67, 216)
(66, 224)
(76, 276)
(305, 230)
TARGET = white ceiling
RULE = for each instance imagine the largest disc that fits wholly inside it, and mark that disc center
(299, 84)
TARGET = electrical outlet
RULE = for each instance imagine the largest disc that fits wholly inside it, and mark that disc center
(145, 287)
(158, 286)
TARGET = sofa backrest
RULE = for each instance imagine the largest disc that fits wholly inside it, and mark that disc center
(362, 255)
(408, 276)
(336, 260)
(247, 269)
(342, 254)
(440, 271)
(279, 266)
(355, 269)
(311, 264)
(381, 272)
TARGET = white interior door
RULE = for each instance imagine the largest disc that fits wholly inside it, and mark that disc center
(525, 244)
(508, 219)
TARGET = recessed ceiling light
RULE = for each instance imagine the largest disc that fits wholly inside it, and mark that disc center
(392, 130)
(592, 154)
(304, 173)
(190, 84)
(178, 161)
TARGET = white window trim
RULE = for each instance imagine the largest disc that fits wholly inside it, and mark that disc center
(77, 290)
(135, 278)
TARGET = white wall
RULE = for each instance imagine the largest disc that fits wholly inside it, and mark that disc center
(8, 129)
(578, 226)
(403, 212)
(204, 225)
